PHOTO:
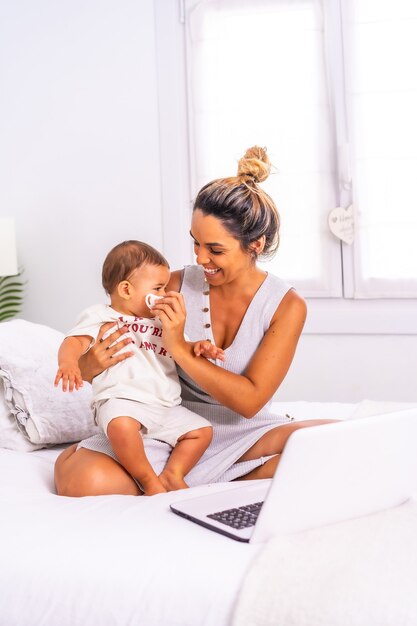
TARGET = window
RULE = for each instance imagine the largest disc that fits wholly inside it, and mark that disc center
(380, 40)
(306, 79)
(318, 85)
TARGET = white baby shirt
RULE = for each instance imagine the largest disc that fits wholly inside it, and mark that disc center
(149, 376)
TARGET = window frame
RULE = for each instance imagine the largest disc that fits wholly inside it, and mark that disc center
(336, 315)
(356, 285)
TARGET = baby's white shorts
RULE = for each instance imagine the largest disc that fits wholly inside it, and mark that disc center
(158, 422)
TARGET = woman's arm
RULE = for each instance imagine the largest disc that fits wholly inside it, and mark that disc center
(247, 393)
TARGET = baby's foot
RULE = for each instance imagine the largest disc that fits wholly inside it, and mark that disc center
(172, 480)
(152, 486)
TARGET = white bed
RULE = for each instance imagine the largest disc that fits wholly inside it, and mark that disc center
(114, 559)
(129, 561)
(107, 560)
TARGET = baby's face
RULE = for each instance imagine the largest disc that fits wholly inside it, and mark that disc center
(144, 280)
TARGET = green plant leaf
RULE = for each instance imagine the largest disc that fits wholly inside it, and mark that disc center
(9, 315)
(13, 290)
(6, 302)
(11, 296)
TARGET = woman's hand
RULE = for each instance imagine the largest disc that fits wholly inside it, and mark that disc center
(104, 354)
(171, 311)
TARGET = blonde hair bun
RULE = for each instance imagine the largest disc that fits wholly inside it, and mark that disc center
(254, 164)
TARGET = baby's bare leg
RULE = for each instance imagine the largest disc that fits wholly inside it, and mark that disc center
(127, 443)
(189, 449)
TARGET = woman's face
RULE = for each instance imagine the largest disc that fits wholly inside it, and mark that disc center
(217, 251)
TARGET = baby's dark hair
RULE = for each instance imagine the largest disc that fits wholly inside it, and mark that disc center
(244, 208)
(124, 259)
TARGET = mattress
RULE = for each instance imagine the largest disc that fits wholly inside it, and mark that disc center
(115, 560)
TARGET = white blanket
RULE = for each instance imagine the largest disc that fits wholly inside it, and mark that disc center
(357, 573)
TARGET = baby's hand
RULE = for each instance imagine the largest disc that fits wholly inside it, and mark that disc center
(70, 375)
(208, 350)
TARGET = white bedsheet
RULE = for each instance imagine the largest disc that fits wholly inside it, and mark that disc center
(108, 560)
(357, 573)
(362, 572)
(115, 560)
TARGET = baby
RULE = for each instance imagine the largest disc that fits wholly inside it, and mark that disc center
(140, 395)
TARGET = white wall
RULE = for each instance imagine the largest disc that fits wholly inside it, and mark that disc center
(350, 368)
(80, 170)
(79, 154)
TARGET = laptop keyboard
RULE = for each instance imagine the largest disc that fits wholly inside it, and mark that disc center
(241, 517)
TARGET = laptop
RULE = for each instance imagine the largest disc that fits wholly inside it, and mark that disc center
(326, 474)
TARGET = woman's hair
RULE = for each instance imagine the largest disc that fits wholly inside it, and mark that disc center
(124, 259)
(245, 209)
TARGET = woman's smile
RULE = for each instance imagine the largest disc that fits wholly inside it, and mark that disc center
(211, 271)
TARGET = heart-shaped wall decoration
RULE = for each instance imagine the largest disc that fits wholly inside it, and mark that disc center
(341, 223)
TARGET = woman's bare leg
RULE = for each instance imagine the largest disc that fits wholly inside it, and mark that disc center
(87, 473)
(273, 442)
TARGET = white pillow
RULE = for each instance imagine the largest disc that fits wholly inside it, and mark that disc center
(11, 436)
(44, 415)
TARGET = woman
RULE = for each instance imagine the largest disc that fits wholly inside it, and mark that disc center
(254, 316)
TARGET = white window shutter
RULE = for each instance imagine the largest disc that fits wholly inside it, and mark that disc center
(257, 75)
(380, 43)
